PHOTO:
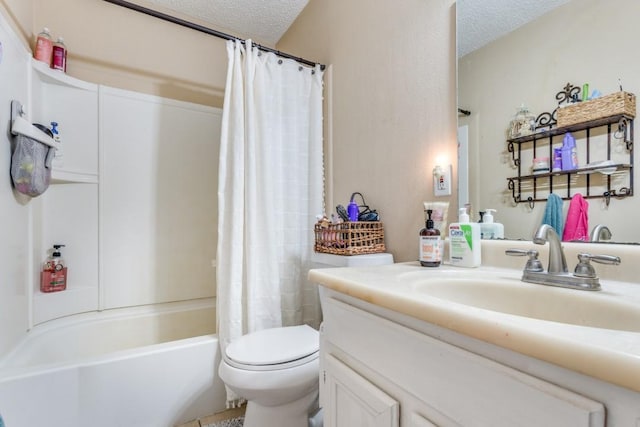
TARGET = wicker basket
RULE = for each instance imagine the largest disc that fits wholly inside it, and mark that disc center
(599, 108)
(350, 238)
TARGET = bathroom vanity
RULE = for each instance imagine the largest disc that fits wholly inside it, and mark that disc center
(404, 345)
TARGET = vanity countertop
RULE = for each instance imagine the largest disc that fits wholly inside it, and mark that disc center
(612, 355)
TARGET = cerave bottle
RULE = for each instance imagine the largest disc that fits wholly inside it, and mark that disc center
(464, 242)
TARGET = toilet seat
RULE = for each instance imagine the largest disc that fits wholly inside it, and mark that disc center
(274, 349)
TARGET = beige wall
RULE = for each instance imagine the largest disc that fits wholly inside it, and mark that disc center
(584, 41)
(390, 99)
(20, 13)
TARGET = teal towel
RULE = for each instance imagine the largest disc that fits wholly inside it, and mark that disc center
(553, 213)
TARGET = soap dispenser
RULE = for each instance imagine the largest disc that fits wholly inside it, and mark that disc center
(490, 229)
(464, 241)
(431, 244)
(53, 277)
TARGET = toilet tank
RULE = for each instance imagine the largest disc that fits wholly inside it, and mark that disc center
(322, 260)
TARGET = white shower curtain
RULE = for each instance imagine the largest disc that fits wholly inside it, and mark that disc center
(270, 190)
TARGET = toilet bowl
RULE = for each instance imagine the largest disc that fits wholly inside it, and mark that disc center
(277, 370)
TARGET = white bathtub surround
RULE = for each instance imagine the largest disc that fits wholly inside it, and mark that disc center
(270, 190)
(162, 357)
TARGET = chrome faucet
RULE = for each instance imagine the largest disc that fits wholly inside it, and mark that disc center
(599, 233)
(584, 277)
(557, 261)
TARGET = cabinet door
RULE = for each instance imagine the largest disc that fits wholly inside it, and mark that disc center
(352, 401)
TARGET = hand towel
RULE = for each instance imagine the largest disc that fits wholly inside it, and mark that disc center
(553, 213)
(577, 225)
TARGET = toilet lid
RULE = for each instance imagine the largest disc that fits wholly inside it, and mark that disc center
(274, 346)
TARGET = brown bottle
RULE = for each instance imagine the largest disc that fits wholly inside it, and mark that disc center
(430, 244)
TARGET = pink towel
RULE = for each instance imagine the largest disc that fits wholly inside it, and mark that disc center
(577, 225)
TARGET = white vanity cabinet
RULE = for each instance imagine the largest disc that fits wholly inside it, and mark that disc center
(351, 400)
(380, 368)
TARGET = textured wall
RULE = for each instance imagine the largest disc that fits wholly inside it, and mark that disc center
(390, 99)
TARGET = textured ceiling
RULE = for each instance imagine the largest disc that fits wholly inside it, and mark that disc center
(264, 21)
(482, 21)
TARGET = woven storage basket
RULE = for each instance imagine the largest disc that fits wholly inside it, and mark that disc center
(599, 108)
(350, 238)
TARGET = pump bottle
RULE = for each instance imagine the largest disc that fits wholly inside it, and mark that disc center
(431, 244)
(489, 229)
(464, 241)
(53, 277)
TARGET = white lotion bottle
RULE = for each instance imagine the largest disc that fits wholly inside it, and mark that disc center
(464, 242)
(490, 230)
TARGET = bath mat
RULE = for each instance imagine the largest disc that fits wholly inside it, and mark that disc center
(233, 422)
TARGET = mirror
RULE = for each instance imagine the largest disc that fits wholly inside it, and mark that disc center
(528, 57)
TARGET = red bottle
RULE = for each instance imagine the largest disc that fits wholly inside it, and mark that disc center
(59, 56)
(54, 272)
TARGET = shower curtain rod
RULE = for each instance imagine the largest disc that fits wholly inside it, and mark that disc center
(205, 30)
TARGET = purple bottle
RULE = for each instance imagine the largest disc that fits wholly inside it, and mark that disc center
(353, 211)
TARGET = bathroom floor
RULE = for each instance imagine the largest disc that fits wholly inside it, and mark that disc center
(228, 418)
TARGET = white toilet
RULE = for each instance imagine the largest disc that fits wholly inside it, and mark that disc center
(277, 370)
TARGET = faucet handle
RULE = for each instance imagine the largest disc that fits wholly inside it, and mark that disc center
(584, 267)
(533, 263)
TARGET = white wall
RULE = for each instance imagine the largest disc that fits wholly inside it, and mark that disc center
(15, 214)
(583, 41)
(158, 185)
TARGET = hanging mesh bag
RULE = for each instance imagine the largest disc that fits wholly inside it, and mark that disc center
(31, 165)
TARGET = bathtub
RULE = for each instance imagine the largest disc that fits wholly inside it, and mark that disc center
(151, 366)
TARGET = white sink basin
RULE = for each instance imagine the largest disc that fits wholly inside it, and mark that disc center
(594, 333)
(576, 307)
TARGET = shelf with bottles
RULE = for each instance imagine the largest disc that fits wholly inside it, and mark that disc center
(532, 187)
(73, 105)
(543, 133)
(50, 76)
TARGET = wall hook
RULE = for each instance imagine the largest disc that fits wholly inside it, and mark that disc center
(531, 202)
